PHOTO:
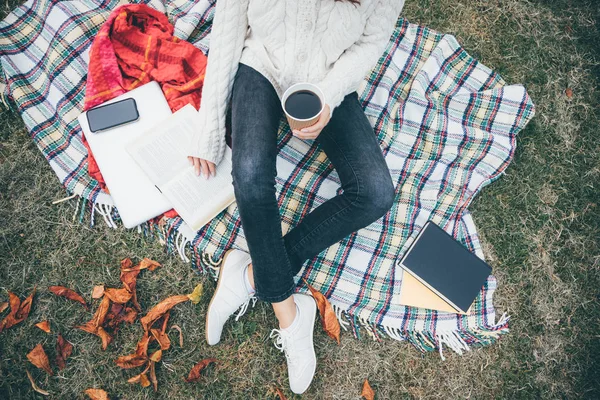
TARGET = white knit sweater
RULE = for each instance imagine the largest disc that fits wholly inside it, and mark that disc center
(333, 44)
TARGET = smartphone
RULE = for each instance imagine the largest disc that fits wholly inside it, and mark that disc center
(112, 115)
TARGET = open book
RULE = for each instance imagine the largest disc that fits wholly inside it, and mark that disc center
(162, 155)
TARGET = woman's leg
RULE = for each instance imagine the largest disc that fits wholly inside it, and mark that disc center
(368, 191)
(255, 116)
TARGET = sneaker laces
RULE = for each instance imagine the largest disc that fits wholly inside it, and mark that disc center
(244, 307)
(282, 342)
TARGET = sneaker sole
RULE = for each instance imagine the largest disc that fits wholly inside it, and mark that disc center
(227, 253)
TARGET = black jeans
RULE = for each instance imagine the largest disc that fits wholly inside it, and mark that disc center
(350, 144)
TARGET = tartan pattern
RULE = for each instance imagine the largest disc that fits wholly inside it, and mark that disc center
(446, 125)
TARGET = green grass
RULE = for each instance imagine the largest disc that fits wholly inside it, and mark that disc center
(540, 225)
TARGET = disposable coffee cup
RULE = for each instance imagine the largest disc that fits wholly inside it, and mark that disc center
(294, 117)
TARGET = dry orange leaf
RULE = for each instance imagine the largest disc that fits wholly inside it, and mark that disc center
(129, 280)
(68, 293)
(145, 263)
(180, 334)
(137, 359)
(156, 356)
(142, 346)
(131, 360)
(94, 326)
(36, 387)
(152, 374)
(329, 320)
(367, 391)
(97, 394)
(280, 394)
(98, 292)
(3, 306)
(194, 374)
(119, 296)
(63, 351)
(160, 309)
(38, 357)
(44, 325)
(162, 338)
(142, 379)
(19, 311)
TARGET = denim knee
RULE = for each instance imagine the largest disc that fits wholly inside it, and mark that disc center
(251, 182)
(376, 196)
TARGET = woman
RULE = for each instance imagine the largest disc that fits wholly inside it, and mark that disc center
(258, 49)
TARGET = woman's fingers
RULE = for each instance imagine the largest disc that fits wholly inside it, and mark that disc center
(204, 165)
(197, 166)
(305, 136)
(212, 168)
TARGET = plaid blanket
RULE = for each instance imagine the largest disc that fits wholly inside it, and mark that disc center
(446, 124)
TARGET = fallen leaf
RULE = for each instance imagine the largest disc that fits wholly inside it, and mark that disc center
(129, 280)
(68, 293)
(280, 394)
(19, 311)
(36, 387)
(152, 374)
(142, 346)
(129, 315)
(367, 391)
(3, 306)
(105, 336)
(63, 351)
(145, 263)
(165, 319)
(137, 359)
(569, 92)
(142, 379)
(97, 394)
(94, 326)
(329, 320)
(195, 372)
(119, 296)
(156, 356)
(44, 325)
(38, 357)
(131, 361)
(98, 292)
(126, 263)
(180, 334)
(160, 309)
(162, 338)
(196, 294)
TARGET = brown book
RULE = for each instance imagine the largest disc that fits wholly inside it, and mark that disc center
(415, 294)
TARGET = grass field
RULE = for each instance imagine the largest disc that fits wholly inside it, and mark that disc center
(540, 225)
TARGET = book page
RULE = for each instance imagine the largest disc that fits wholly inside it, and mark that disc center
(162, 152)
(197, 199)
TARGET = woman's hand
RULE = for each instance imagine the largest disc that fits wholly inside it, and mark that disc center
(202, 166)
(313, 131)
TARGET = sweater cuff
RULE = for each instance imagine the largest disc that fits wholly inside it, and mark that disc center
(203, 147)
(332, 97)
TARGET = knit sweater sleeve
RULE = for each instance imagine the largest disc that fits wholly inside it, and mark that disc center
(356, 61)
(227, 37)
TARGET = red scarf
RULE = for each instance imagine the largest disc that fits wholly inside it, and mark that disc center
(135, 46)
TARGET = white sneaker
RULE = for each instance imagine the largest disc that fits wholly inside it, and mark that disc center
(231, 294)
(297, 343)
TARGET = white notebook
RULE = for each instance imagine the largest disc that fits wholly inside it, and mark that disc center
(162, 155)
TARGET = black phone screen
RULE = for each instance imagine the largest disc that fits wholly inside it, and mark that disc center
(112, 115)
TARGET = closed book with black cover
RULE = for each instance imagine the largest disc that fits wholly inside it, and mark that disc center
(446, 267)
